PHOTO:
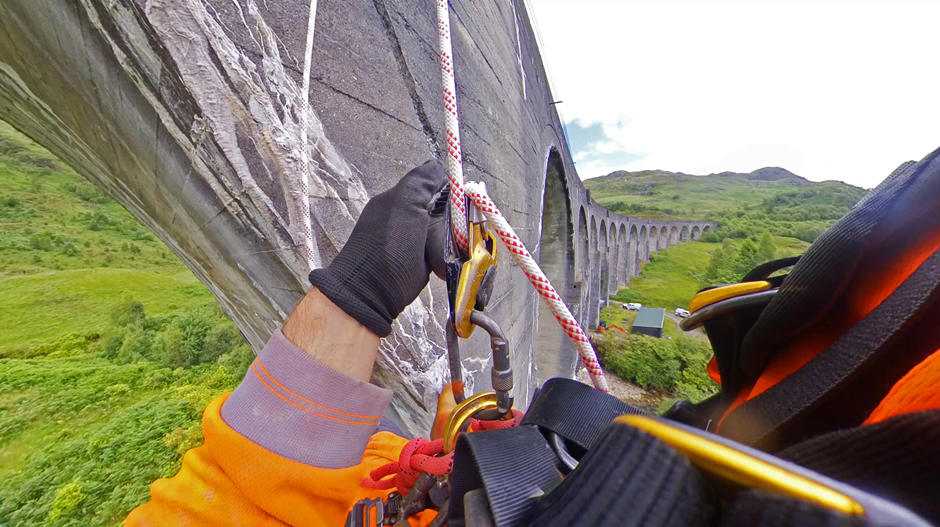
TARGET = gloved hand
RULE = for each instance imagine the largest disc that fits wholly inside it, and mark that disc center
(382, 267)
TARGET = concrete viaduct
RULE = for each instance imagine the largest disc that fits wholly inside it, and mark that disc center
(588, 252)
(190, 113)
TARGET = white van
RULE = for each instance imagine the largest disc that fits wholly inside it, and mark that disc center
(633, 306)
(681, 312)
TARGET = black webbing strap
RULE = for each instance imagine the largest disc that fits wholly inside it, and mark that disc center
(816, 283)
(754, 507)
(897, 459)
(629, 478)
(575, 411)
(514, 466)
(765, 420)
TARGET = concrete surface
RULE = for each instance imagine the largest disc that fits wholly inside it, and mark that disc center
(187, 112)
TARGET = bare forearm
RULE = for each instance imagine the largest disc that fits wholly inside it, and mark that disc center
(326, 333)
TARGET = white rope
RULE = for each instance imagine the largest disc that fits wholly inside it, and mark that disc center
(304, 122)
(477, 194)
(458, 208)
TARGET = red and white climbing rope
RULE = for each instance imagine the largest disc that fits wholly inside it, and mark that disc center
(458, 204)
(304, 122)
(477, 194)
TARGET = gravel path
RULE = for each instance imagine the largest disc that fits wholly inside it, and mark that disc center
(626, 391)
(697, 332)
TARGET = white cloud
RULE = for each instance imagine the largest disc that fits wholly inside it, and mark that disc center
(828, 90)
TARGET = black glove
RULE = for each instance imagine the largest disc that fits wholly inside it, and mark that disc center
(382, 267)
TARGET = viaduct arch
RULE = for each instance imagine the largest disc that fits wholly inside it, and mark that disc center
(189, 113)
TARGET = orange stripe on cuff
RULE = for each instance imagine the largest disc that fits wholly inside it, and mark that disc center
(308, 401)
(308, 410)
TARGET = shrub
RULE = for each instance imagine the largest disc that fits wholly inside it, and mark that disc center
(111, 343)
(67, 497)
(136, 346)
(170, 349)
(710, 237)
(677, 365)
(237, 361)
(129, 312)
(220, 340)
(41, 242)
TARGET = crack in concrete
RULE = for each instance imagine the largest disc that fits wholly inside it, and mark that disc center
(408, 77)
(332, 88)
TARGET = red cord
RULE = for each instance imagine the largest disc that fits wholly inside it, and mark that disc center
(421, 455)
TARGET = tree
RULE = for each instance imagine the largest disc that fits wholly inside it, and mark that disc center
(765, 248)
(747, 258)
(721, 268)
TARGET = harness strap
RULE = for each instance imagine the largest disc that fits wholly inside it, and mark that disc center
(898, 459)
(629, 478)
(825, 269)
(756, 507)
(575, 411)
(767, 420)
(515, 466)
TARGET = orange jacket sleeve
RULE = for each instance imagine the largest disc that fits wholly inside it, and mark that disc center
(288, 447)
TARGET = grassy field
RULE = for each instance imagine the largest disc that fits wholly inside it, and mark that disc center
(110, 349)
(43, 306)
(673, 276)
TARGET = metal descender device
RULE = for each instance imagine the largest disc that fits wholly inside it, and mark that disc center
(470, 278)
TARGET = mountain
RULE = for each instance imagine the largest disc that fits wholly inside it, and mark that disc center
(659, 194)
(770, 199)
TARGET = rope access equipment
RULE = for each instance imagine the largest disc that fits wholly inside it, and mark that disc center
(477, 194)
(459, 210)
(304, 122)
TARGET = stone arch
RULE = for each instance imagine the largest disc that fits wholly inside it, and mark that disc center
(623, 247)
(652, 242)
(614, 250)
(696, 232)
(593, 277)
(663, 238)
(673, 236)
(556, 355)
(706, 229)
(633, 257)
(684, 234)
(644, 252)
(600, 284)
(583, 259)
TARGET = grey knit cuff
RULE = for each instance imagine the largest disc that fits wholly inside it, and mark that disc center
(292, 405)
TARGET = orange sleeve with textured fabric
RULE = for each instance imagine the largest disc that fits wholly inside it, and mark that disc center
(232, 481)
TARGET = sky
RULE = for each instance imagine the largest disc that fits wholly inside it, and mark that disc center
(826, 89)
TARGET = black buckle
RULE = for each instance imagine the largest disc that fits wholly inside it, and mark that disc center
(374, 513)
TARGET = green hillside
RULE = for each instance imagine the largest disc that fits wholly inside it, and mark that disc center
(110, 348)
(771, 199)
(767, 214)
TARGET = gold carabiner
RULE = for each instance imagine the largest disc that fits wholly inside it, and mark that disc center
(462, 414)
(484, 254)
(718, 294)
(733, 465)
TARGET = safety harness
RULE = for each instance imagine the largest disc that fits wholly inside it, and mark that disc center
(827, 413)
